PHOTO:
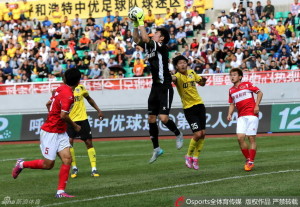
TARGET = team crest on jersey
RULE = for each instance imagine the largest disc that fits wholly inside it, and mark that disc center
(77, 90)
(190, 76)
(242, 87)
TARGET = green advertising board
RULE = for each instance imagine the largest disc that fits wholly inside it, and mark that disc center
(285, 118)
(10, 127)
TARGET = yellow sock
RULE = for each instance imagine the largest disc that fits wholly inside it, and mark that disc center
(192, 147)
(73, 157)
(92, 156)
(198, 149)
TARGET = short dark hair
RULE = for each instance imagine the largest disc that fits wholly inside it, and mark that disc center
(239, 71)
(177, 58)
(165, 34)
(72, 77)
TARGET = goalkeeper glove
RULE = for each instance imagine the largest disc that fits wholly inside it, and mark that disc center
(135, 24)
(140, 18)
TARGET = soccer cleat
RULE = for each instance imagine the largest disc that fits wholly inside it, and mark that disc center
(179, 141)
(248, 166)
(189, 161)
(74, 173)
(155, 155)
(195, 164)
(63, 195)
(17, 169)
(95, 173)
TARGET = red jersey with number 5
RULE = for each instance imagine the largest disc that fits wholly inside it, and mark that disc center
(62, 100)
(243, 98)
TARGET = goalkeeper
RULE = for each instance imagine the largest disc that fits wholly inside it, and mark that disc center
(161, 95)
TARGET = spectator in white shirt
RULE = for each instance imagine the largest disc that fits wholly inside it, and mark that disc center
(212, 29)
(179, 21)
(239, 55)
(271, 21)
(218, 23)
(207, 70)
(234, 62)
(238, 43)
(184, 12)
(197, 22)
(9, 80)
(51, 30)
(104, 56)
(224, 17)
(233, 10)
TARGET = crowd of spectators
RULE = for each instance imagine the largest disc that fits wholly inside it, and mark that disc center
(248, 38)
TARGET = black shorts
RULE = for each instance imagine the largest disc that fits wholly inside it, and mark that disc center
(85, 132)
(160, 99)
(196, 117)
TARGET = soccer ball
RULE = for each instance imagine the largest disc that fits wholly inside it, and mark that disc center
(133, 12)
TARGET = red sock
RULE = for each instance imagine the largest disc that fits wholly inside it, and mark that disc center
(252, 154)
(63, 176)
(34, 164)
(245, 153)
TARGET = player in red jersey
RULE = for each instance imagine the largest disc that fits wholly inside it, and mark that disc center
(53, 137)
(241, 95)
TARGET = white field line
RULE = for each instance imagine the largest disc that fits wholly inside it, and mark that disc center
(169, 187)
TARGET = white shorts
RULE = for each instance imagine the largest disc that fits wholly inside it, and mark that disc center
(52, 143)
(247, 125)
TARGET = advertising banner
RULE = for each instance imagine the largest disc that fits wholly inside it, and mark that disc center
(146, 82)
(10, 127)
(98, 8)
(285, 118)
(134, 123)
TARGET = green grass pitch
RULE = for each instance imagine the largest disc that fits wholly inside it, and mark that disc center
(128, 180)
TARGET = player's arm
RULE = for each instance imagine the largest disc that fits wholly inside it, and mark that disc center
(174, 78)
(202, 82)
(230, 111)
(95, 106)
(65, 116)
(140, 19)
(48, 105)
(258, 100)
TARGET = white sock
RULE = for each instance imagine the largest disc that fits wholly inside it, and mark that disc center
(93, 168)
(21, 164)
(157, 149)
(60, 191)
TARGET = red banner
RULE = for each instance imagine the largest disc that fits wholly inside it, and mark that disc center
(145, 82)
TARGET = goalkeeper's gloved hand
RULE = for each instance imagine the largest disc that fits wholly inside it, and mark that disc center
(135, 24)
(140, 18)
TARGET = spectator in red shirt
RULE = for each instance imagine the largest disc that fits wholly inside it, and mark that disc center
(194, 44)
(229, 44)
(83, 43)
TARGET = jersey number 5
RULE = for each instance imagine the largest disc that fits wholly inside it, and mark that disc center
(46, 150)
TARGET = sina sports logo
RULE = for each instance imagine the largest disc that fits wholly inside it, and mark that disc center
(179, 201)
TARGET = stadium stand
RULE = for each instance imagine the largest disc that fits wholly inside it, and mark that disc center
(255, 38)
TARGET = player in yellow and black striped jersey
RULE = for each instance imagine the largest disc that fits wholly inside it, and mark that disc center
(79, 116)
(193, 106)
